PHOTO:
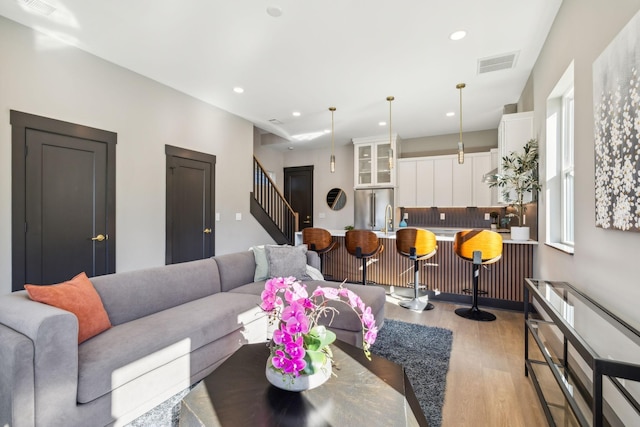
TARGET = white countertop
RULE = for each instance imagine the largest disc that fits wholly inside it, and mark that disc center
(442, 234)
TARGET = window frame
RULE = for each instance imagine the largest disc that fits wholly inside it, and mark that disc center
(567, 175)
(559, 173)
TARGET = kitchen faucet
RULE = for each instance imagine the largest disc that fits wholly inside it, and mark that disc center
(388, 220)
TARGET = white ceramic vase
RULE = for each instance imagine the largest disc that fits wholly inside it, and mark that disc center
(520, 233)
(301, 382)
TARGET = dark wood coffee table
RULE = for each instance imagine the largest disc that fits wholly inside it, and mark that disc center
(368, 393)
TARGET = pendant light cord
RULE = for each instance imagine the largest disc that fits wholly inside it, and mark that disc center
(390, 98)
(460, 87)
(332, 109)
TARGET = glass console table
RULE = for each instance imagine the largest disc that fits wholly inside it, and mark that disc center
(585, 366)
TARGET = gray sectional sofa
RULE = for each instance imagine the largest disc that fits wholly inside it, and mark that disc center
(171, 326)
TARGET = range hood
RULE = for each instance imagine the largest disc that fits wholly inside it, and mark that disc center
(490, 177)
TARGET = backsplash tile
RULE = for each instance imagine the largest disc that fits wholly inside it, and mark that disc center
(472, 217)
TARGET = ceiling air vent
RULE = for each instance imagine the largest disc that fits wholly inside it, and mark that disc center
(496, 63)
(38, 6)
(275, 122)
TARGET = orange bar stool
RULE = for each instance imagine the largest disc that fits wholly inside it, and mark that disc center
(417, 245)
(480, 247)
(318, 240)
(363, 244)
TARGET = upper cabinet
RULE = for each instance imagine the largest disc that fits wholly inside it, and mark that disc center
(375, 161)
(441, 181)
(514, 132)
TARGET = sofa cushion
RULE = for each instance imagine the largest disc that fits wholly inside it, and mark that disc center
(80, 298)
(130, 295)
(132, 349)
(348, 320)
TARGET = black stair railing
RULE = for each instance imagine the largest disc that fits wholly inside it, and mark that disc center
(272, 201)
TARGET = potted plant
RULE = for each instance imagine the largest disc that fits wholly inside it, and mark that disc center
(300, 354)
(519, 177)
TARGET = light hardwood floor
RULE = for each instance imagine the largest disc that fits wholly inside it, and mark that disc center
(486, 385)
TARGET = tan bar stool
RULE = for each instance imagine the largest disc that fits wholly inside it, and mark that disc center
(480, 247)
(320, 241)
(363, 244)
(417, 245)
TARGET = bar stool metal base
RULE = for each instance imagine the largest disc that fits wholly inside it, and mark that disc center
(474, 313)
(416, 305)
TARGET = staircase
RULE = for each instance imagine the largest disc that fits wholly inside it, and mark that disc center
(270, 209)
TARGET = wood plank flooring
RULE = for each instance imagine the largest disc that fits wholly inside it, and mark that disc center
(486, 385)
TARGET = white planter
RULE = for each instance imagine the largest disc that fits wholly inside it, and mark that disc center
(519, 233)
(299, 383)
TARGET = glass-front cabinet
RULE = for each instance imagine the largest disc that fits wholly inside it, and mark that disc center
(375, 161)
(583, 360)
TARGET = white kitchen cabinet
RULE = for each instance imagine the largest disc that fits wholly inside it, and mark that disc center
(481, 191)
(441, 181)
(407, 183)
(415, 182)
(424, 182)
(462, 175)
(514, 132)
(375, 162)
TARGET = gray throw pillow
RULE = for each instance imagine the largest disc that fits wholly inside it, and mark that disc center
(285, 261)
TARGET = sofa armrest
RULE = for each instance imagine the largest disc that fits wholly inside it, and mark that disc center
(17, 406)
(54, 336)
(313, 259)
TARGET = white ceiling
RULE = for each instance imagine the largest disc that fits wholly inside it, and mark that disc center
(317, 54)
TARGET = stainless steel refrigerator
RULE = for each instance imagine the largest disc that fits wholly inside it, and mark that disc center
(371, 206)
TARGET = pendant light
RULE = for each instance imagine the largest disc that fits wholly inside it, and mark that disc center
(390, 98)
(460, 86)
(332, 161)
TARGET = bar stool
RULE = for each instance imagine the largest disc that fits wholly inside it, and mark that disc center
(480, 247)
(318, 240)
(363, 244)
(417, 245)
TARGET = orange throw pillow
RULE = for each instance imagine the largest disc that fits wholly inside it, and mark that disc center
(80, 298)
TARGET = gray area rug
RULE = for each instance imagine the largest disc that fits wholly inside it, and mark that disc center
(423, 351)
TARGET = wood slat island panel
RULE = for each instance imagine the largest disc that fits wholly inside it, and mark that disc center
(445, 272)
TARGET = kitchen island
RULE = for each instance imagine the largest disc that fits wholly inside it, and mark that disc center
(445, 275)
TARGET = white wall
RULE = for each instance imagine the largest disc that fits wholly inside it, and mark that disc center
(40, 76)
(605, 264)
(476, 141)
(324, 180)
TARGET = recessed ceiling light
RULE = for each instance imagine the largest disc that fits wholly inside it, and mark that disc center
(382, 123)
(451, 114)
(290, 148)
(238, 89)
(296, 114)
(458, 35)
(274, 11)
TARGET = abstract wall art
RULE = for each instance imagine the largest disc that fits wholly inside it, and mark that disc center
(616, 107)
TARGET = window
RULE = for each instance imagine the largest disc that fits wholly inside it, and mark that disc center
(567, 168)
(559, 184)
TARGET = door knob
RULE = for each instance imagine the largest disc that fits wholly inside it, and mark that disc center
(100, 238)
(207, 231)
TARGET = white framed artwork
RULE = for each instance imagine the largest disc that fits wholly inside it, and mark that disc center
(616, 107)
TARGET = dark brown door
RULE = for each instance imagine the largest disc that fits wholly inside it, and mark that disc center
(63, 200)
(298, 190)
(190, 205)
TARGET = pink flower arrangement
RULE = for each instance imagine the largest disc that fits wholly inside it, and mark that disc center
(299, 344)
